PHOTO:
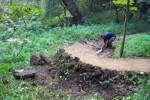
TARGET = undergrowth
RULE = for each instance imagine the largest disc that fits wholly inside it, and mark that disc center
(135, 46)
(16, 54)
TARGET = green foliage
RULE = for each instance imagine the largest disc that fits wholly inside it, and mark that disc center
(10, 50)
(93, 96)
(143, 91)
(137, 45)
(56, 20)
(23, 91)
(51, 6)
(4, 68)
(96, 18)
(35, 27)
(84, 6)
(38, 40)
(45, 42)
(48, 42)
(14, 11)
(122, 2)
(28, 10)
(139, 1)
(138, 27)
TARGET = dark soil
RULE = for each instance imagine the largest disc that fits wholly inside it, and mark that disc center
(69, 75)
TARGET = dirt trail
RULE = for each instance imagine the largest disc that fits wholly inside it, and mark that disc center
(88, 55)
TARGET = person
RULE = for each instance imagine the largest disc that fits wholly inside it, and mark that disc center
(108, 38)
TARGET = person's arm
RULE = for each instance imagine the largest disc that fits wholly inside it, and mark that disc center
(103, 47)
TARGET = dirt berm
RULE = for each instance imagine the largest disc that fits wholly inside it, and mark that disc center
(88, 55)
(80, 78)
(79, 71)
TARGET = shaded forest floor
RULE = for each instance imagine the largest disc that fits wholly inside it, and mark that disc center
(25, 32)
(16, 55)
(79, 71)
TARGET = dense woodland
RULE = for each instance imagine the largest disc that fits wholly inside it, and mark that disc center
(36, 27)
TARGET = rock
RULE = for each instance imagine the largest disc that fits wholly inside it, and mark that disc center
(24, 74)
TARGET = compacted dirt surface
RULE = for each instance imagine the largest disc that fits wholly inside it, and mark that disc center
(88, 55)
(79, 71)
(70, 75)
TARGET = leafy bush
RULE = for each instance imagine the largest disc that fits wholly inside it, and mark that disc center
(137, 26)
(142, 92)
(138, 45)
(35, 27)
(47, 42)
(20, 10)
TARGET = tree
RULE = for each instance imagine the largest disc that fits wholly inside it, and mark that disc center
(143, 6)
(73, 9)
(120, 7)
(125, 28)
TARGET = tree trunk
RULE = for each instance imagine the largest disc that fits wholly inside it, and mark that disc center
(125, 28)
(73, 9)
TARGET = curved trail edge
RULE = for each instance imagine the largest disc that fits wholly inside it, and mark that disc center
(87, 55)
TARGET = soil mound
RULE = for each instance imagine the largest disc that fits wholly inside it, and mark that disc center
(88, 55)
(79, 71)
(69, 74)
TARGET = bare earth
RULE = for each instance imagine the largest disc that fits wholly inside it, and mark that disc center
(88, 55)
(88, 76)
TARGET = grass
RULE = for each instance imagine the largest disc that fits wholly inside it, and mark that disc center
(136, 46)
(142, 92)
(48, 42)
(39, 42)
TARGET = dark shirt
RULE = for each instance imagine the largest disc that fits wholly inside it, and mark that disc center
(108, 35)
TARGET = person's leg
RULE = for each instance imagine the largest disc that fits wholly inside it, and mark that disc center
(105, 45)
(109, 44)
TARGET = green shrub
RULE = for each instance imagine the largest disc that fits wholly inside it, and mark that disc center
(15, 11)
(20, 10)
(143, 92)
(47, 42)
(138, 45)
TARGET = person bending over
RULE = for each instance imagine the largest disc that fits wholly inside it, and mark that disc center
(108, 38)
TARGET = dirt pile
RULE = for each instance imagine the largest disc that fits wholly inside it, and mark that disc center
(88, 55)
(77, 70)
(70, 75)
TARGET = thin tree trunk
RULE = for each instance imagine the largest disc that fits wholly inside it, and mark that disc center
(73, 9)
(117, 14)
(125, 28)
